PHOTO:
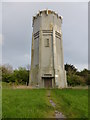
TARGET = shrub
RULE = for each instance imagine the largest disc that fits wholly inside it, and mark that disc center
(21, 76)
(18, 76)
(74, 80)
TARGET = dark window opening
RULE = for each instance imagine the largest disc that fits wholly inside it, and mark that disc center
(47, 42)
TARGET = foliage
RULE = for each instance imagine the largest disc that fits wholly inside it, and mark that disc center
(70, 69)
(17, 76)
(86, 75)
(7, 72)
(21, 75)
(74, 80)
(74, 77)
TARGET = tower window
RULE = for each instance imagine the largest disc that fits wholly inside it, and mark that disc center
(46, 42)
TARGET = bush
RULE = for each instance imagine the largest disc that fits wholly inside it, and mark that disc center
(21, 76)
(18, 76)
(74, 80)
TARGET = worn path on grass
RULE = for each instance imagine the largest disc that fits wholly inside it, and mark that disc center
(57, 113)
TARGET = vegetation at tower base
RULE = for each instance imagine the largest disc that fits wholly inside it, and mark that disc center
(21, 75)
(74, 77)
(17, 76)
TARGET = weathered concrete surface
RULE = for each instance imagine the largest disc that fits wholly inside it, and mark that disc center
(47, 51)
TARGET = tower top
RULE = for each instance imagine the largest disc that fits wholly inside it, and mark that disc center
(47, 12)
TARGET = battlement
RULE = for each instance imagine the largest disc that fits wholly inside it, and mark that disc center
(47, 12)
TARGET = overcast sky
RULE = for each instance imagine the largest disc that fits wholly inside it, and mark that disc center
(17, 32)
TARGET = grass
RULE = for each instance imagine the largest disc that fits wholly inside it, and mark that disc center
(34, 103)
(21, 103)
(72, 102)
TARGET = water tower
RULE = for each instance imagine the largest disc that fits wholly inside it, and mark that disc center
(47, 64)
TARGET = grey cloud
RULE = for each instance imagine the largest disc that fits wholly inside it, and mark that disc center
(17, 31)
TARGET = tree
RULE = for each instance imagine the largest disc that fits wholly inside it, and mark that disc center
(86, 75)
(21, 75)
(74, 80)
(70, 69)
(74, 77)
(18, 76)
(7, 72)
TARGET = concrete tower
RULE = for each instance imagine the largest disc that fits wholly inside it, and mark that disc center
(47, 64)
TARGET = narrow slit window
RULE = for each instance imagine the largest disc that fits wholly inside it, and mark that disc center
(47, 42)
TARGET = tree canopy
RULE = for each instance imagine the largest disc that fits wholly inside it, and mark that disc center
(17, 76)
(74, 77)
(21, 75)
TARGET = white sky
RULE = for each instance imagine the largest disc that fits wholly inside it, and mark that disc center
(17, 31)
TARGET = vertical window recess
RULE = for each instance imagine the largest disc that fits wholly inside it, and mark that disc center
(46, 42)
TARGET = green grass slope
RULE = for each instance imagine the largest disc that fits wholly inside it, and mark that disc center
(72, 102)
(21, 103)
(34, 103)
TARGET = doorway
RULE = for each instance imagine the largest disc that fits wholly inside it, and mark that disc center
(48, 82)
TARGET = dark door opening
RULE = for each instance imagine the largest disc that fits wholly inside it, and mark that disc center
(48, 82)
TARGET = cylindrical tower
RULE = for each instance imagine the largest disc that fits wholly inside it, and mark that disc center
(47, 65)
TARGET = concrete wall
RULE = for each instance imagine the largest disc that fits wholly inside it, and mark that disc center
(47, 50)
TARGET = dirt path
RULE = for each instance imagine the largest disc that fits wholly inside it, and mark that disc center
(58, 114)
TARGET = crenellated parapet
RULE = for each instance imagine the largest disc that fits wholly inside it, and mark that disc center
(46, 12)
